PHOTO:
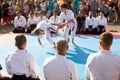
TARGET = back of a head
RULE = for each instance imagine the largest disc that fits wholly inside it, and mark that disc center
(106, 38)
(61, 45)
(19, 41)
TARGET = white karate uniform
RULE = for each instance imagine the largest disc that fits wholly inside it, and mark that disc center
(47, 27)
(21, 62)
(54, 19)
(67, 16)
(59, 68)
(21, 22)
(74, 29)
(103, 65)
(90, 22)
(41, 18)
(31, 21)
(101, 21)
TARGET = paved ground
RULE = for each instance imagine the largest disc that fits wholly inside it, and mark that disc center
(4, 29)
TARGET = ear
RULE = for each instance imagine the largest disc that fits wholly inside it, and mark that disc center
(67, 47)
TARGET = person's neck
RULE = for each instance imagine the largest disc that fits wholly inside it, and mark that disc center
(61, 53)
(55, 16)
(105, 48)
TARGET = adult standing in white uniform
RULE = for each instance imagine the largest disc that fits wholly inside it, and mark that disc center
(103, 65)
(20, 64)
(58, 67)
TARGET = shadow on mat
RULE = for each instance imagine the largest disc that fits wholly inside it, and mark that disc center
(78, 55)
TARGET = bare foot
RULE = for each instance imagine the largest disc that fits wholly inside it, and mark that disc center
(41, 45)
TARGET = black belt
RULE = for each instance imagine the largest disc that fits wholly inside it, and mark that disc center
(90, 26)
(23, 77)
(101, 26)
(0, 67)
(33, 24)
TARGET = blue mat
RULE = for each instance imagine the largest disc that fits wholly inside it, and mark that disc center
(85, 45)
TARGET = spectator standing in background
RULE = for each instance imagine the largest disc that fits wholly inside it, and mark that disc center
(50, 5)
(76, 6)
(5, 12)
(1, 13)
(94, 7)
(26, 10)
(43, 7)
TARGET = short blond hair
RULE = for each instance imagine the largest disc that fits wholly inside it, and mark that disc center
(61, 45)
(106, 38)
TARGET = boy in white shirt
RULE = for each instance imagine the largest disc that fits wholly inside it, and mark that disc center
(41, 17)
(19, 23)
(31, 23)
(20, 64)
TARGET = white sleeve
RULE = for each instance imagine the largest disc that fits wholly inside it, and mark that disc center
(71, 15)
(95, 23)
(75, 73)
(105, 22)
(62, 17)
(86, 23)
(33, 67)
(28, 22)
(89, 60)
(7, 61)
(15, 22)
(45, 18)
(24, 22)
(36, 21)
(51, 19)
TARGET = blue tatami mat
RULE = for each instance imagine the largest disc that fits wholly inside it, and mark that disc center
(85, 45)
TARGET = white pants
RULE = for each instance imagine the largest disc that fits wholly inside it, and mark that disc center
(48, 36)
(67, 28)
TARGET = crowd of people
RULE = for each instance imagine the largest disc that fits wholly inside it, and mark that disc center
(46, 8)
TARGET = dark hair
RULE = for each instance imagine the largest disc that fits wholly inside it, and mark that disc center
(64, 6)
(102, 12)
(19, 41)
